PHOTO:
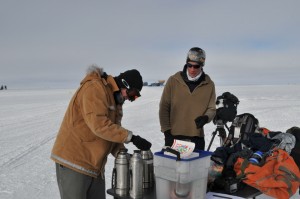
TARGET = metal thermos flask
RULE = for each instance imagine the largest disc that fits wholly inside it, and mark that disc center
(120, 176)
(148, 173)
(136, 175)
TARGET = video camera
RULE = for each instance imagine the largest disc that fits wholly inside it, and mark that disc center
(226, 112)
(226, 108)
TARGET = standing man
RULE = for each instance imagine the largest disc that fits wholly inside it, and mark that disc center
(188, 102)
(91, 130)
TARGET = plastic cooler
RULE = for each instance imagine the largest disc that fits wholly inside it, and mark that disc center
(185, 178)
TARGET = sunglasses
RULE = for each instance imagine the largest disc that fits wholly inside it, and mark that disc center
(192, 65)
(132, 93)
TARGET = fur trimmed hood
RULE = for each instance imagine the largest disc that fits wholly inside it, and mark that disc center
(94, 68)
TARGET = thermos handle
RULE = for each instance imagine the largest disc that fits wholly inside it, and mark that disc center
(113, 179)
(130, 179)
(169, 149)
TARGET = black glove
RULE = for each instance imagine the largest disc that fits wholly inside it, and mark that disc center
(141, 143)
(201, 121)
(169, 138)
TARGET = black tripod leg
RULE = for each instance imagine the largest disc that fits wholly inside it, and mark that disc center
(212, 139)
(222, 135)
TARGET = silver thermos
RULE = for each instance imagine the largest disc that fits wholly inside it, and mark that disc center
(136, 173)
(120, 176)
(148, 173)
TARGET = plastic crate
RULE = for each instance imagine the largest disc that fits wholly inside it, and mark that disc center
(183, 178)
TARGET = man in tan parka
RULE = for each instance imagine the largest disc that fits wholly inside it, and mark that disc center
(91, 130)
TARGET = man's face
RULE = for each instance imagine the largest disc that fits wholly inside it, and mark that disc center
(130, 94)
(193, 69)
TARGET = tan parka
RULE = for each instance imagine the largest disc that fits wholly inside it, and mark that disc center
(179, 107)
(91, 128)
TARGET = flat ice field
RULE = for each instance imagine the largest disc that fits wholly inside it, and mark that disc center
(30, 119)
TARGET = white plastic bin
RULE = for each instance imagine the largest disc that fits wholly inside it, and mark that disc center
(185, 178)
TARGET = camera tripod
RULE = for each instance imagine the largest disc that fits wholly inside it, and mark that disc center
(222, 133)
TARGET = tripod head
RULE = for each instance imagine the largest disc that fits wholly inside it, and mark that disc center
(219, 123)
(221, 132)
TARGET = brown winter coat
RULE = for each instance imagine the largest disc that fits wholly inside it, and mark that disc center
(179, 107)
(91, 127)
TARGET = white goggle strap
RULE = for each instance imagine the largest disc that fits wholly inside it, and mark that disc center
(125, 83)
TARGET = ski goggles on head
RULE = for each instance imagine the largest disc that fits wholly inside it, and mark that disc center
(132, 93)
(196, 66)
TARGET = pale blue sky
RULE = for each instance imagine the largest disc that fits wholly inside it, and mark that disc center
(49, 43)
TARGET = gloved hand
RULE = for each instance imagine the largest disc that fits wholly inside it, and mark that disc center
(141, 143)
(169, 138)
(201, 121)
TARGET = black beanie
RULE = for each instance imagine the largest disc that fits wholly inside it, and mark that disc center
(132, 77)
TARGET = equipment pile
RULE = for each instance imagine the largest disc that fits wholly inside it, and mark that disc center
(266, 160)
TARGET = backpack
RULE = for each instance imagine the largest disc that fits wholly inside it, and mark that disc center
(242, 125)
(278, 177)
(296, 150)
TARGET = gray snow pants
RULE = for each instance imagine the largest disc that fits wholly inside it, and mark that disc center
(74, 185)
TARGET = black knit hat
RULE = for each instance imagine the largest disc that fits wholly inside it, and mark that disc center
(133, 79)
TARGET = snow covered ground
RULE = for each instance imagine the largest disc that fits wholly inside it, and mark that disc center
(29, 121)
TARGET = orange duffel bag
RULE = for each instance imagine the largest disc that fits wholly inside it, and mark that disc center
(278, 177)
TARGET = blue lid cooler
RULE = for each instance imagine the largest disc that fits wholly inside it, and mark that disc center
(184, 178)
